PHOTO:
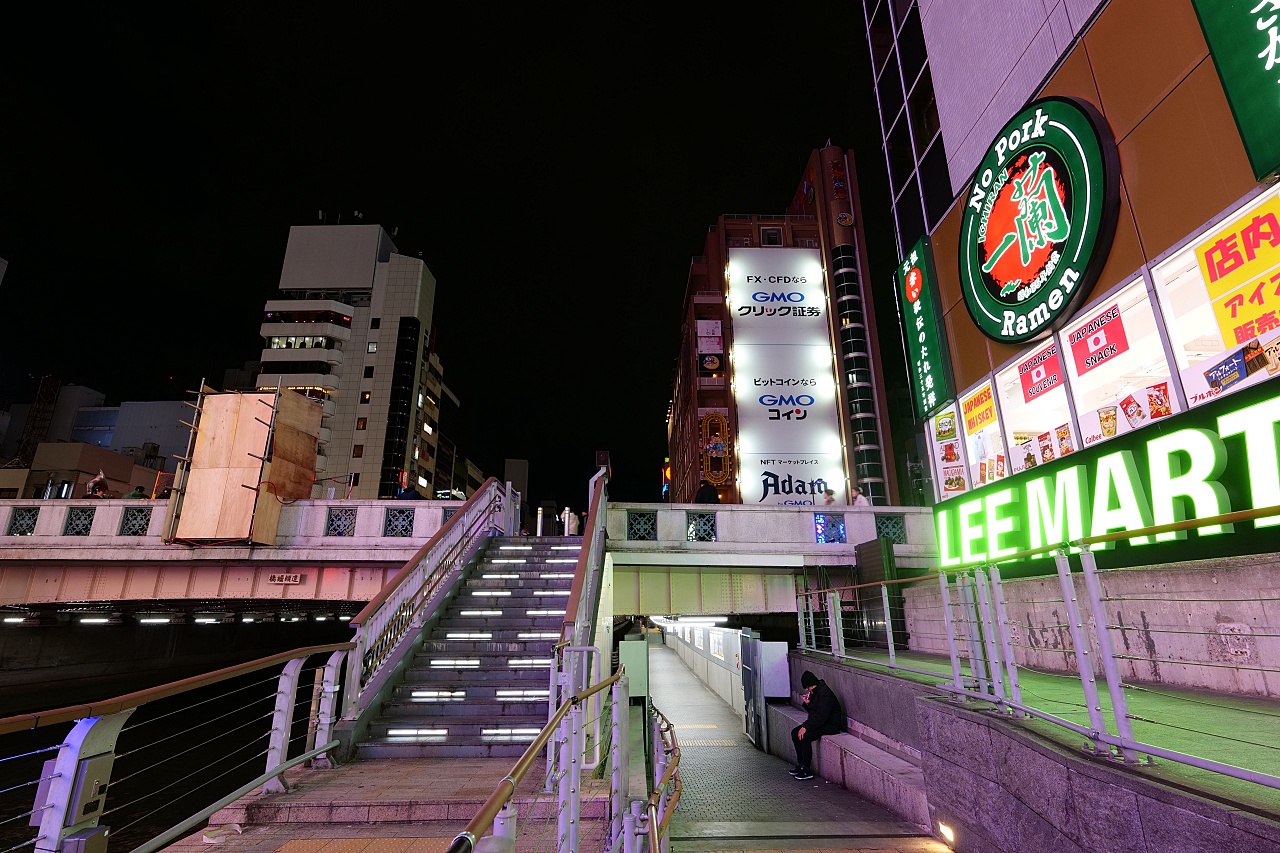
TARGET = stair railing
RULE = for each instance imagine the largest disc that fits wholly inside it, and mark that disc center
(387, 625)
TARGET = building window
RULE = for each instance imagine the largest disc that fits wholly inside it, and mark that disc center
(341, 521)
(355, 480)
(23, 520)
(357, 451)
(365, 395)
(398, 522)
(136, 520)
(375, 323)
(362, 423)
(368, 371)
(372, 347)
(770, 236)
(79, 521)
(828, 528)
(1116, 365)
(701, 526)
(892, 527)
(642, 526)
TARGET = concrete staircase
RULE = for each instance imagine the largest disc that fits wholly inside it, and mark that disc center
(479, 687)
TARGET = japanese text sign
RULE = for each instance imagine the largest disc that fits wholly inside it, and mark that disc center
(1040, 373)
(979, 410)
(928, 365)
(1098, 340)
(1239, 264)
(1244, 40)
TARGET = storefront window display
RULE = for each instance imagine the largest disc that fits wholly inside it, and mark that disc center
(948, 453)
(1116, 366)
(1034, 409)
(1221, 302)
(987, 459)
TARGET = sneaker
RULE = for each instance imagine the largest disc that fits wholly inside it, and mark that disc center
(803, 775)
(796, 770)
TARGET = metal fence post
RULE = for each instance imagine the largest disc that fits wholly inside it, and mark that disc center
(281, 723)
(92, 737)
(328, 678)
(956, 678)
(505, 822)
(1115, 687)
(1081, 643)
(1006, 642)
(563, 828)
(977, 660)
(355, 660)
(628, 833)
(995, 666)
(888, 620)
(617, 758)
(835, 624)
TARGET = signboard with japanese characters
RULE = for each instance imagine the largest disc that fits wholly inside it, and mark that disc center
(1038, 220)
(789, 446)
(1244, 40)
(928, 365)
(1040, 373)
(1098, 340)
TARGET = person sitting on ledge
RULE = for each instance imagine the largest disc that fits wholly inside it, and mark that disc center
(825, 718)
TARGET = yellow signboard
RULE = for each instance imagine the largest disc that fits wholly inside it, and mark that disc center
(1240, 265)
(979, 410)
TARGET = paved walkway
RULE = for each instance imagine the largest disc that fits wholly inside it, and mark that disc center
(738, 798)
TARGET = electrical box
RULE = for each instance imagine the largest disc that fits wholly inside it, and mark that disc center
(89, 795)
(91, 840)
(634, 655)
(775, 675)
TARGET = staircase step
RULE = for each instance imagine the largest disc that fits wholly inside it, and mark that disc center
(520, 632)
(443, 711)
(434, 675)
(384, 748)
(540, 647)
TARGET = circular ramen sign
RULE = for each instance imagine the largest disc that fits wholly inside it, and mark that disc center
(1038, 220)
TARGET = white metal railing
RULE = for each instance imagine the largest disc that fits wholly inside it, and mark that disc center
(868, 623)
(116, 760)
(399, 611)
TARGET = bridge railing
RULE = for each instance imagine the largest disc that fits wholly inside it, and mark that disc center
(1098, 657)
(396, 615)
(152, 765)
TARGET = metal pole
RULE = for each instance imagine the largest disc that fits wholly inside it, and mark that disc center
(540, 512)
(989, 634)
(628, 833)
(1115, 687)
(951, 634)
(1083, 662)
(977, 660)
(281, 722)
(328, 677)
(618, 776)
(888, 620)
(565, 785)
(504, 824)
(1006, 642)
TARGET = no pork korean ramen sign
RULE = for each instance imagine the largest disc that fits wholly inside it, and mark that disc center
(1038, 219)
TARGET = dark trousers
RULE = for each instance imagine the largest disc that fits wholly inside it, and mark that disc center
(804, 745)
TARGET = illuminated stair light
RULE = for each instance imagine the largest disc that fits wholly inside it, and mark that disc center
(469, 635)
(344, 618)
(559, 561)
(514, 695)
(508, 734)
(521, 560)
(552, 592)
(482, 613)
(428, 735)
(539, 635)
(206, 620)
(500, 577)
(155, 620)
(566, 547)
(544, 613)
(12, 620)
(515, 547)
(93, 620)
(439, 695)
(529, 663)
(455, 663)
(556, 576)
(491, 592)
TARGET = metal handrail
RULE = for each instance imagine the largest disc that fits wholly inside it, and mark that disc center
(39, 719)
(398, 578)
(583, 569)
(465, 841)
(657, 824)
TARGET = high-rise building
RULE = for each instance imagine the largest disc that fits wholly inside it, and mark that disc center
(352, 328)
(778, 385)
(1089, 231)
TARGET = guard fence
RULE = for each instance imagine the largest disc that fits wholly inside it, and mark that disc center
(1165, 664)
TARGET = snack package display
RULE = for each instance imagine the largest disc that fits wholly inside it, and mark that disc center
(1158, 400)
(1065, 445)
(1000, 466)
(1273, 356)
(1107, 419)
(949, 452)
(945, 426)
(991, 470)
(1133, 412)
(1046, 447)
(1255, 357)
(953, 479)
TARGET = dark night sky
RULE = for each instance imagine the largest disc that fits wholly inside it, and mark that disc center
(555, 166)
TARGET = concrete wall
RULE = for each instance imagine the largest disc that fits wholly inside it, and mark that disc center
(1189, 624)
(723, 675)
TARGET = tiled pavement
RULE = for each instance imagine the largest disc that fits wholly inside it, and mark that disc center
(736, 798)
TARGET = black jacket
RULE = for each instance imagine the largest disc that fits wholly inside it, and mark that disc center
(825, 715)
(707, 495)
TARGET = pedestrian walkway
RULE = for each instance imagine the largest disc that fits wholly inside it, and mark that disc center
(736, 798)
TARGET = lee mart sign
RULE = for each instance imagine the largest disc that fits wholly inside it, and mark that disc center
(1039, 219)
(1216, 459)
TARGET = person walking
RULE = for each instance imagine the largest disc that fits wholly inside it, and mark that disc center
(706, 494)
(570, 520)
(859, 499)
(138, 494)
(825, 718)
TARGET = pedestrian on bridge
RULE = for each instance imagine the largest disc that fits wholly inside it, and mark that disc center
(825, 718)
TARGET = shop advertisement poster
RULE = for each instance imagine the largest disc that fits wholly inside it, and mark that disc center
(1240, 266)
(950, 461)
(1132, 411)
(1098, 340)
(1040, 373)
(979, 410)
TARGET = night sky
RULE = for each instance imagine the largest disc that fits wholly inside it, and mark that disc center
(556, 167)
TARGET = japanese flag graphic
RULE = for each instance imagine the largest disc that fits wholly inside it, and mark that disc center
(1098, 340)
(1038, 374)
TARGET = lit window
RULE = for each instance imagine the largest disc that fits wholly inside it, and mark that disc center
(357, 451)
(361, 423)
(373, 346)
(365, 395)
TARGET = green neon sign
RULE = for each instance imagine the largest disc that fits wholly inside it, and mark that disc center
(1038, 220)
(928, 364)
(1219, 458)
(1244, 40)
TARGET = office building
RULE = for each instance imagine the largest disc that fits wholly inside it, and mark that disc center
(1092, 316)
(779, 425)
(352, 328)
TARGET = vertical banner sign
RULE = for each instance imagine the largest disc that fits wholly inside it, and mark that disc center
(789, 446)
(1244, 41)
(1241, 269)
(1038, 220)
(927, 361)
